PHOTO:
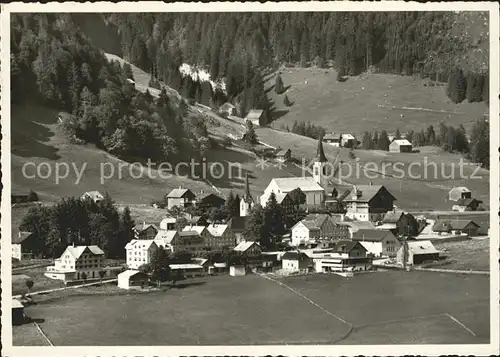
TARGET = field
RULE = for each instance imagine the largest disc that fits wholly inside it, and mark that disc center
(262, 311)
(471, 254)
(367, 102)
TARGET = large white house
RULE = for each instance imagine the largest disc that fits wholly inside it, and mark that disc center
(77, 262)
(318, 226)
(369, 203)
(140, 252)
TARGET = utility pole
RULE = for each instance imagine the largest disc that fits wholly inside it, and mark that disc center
(405, 247)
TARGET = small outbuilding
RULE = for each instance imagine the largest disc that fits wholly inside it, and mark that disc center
(255, 116)
(228, 109)
(17, 312)
(295, 262)
(284, 155)
(457, 193)
(132, 279)
(237, 270)
(400, 145)
(418, 252)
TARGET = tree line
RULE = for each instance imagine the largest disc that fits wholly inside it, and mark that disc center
(79, 222)
(305, 129)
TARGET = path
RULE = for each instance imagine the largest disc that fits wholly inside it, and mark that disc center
(452, 271)
(67, 288)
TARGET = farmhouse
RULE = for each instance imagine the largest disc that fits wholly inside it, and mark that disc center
(246, 201)
(255, 116)
(23, 245)
(295, 262)
(228, 109)
(400, 223)
(332, 139)
(250, 251)
(95, 196)
(208, 200)
(378, 242)
(140, 252)
(145, 231)
(284, 155)
(164, 238)
(220, 237)
(316, 227)
(400, 145)
(348, 140)
(180, 197)
(456, 227)
(466, 204)
(77, 262)
(188, 241)
(369, 202)
(457, 193)
(418, 252)
(132, 279)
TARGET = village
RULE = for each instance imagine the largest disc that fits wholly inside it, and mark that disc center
(372, 234)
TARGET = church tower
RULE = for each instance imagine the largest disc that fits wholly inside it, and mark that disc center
(246, 202)
(320, 164)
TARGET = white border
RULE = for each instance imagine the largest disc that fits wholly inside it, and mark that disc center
(429, 350)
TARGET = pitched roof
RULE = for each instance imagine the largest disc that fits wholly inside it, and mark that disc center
(197, 229)
(367, 192)
(402, 142)
(217, 230)
(189, 233)
(314, 221)
(320, 153)
(243, 246)
(294, 256)
(393, 216)
(76, 251)
(329, 136)
(348, 137)
(144, 226)
(345, 246)
(165, 236)
(177, 192)
(131, 273)
(455, 224)
(227, 105)
(287, 184)
(254, 114)
(357, 225)
(140, 243)
(421, 247)
(168, 220)
(371, 235)
(20, 237)
(94, 195)
(460, 189)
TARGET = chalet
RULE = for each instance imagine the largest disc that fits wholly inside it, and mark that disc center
(180, 197)
(132, 279)
(209, 200)
(168, 223)
(140, 252)
(400, 223)
(95, 196)
(220, 237)
(400, 145)
(369, 202)
(348, 140)
(345, 256)
(255, 116)
(290, 201)
(164, 238)
(456, 227)
(228, 109)
(332, 139)
(283, 155)
(418, 252)
(188, 241)
(316, 227)
(466, 204)
(251, 251)
(77, 263)
(145, 231)
(295, 262)
(457, 193)
(392, 136)
(24, 245)
(378, 242)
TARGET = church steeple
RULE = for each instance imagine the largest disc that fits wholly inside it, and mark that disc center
(246, 202)
(247, 196)
(320, 153)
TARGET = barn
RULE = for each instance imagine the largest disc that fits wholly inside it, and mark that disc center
(400, 145)
(132, 279)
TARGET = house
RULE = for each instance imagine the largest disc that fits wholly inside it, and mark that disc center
(400, 145)
(132, 279)
(238, 225)
(77, 263)
(130, 82)
(237, 270)
(251, 251)
(168, 224)
(290, 201)
(180, 197)
(418, 252)
(456, 227)
(140, 252)
(466, 204)
(145, 231)
(209, 200)
(164, 238)
(24, 244)
(369, 202)
(20, 195)
(189, 240)
(316, 227)
(457, 193)
(187, 270)
(355, 226)
(220, 237)
(332, 139)
(294, 262)
(345, 256)
(18, 317)
(199, 221)
(255, 116)
(246, 201)
(348, 141)
(95, 196)
(283, 155)
(204, 263)
(228, 109)
(400, 223)
(379, 243)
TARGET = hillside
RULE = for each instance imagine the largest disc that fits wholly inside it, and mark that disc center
(367, 102)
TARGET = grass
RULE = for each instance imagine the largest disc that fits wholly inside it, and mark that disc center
(470, 254)
(41, 282)
(368, 102)
(263, 312)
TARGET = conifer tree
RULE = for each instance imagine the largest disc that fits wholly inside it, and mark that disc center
(383, 141)
(278, 85)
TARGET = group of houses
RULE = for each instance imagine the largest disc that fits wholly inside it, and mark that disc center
(348, 140)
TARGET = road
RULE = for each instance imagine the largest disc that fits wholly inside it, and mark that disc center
(67, 287)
